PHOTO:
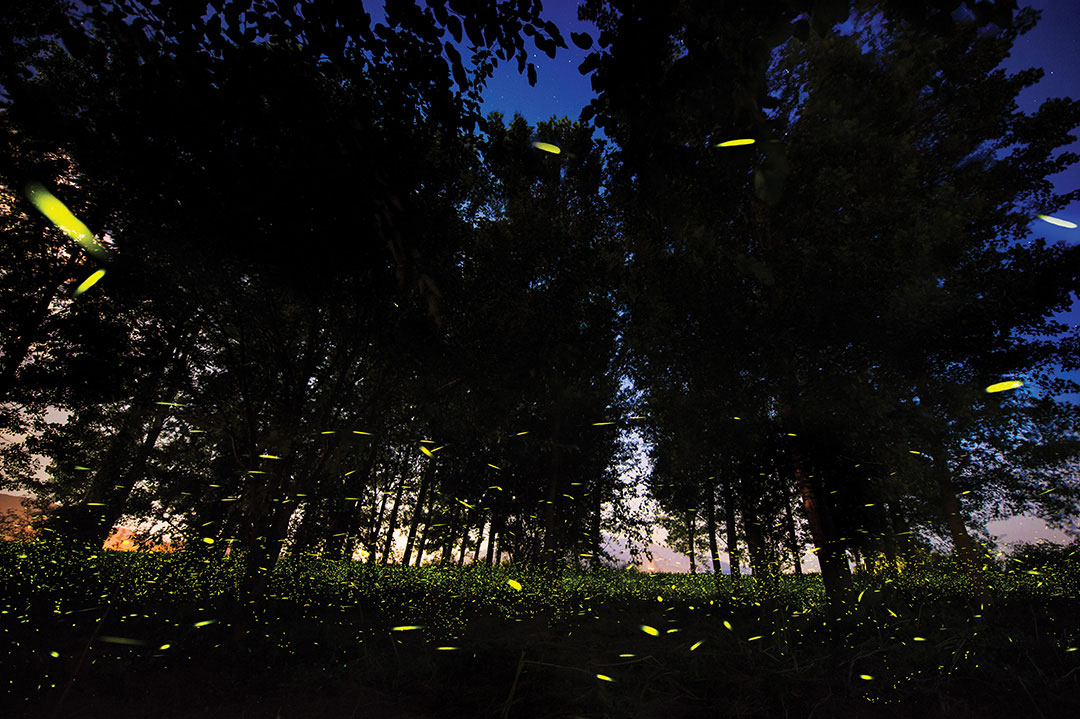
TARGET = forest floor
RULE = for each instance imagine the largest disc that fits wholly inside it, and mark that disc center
(672, 651)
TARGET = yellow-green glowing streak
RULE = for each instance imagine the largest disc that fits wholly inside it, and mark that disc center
(736, 143)
(1056, 221)
(547, 147)
(61, 216)
(88, 283)
(1002, 386)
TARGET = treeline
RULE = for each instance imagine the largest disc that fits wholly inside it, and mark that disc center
(338, 303)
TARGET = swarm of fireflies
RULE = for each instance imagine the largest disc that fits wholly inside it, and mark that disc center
(1056, 221)
(547, 147)
(1002, 386)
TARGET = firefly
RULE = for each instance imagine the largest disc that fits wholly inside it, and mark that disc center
(61, 216)
(547, 147)
(1002, 386)
(736, 143)
(1056, 221)
(88, 283)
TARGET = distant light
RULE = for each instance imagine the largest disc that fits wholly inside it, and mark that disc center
(1002, 386)
(735, 143)
(1056, 221)
(547, 147)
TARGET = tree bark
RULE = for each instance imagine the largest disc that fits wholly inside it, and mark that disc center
(835, 572)
(393, 520)
(421, 496)
(734, 555)
(448, 545)
(793, 538)
(27, 331)
(710, 528)
(962, 542)
(690, 533)
(376, 523)
(551, 549)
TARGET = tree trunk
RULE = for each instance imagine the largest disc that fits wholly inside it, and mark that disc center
(551, 549)
(418, 512)
(902, 533)
(393, 521)
(752, 531)
(376, 523)
(347, 519)
(448, 545)
(594, 530)
(425, 535)
(962, 542)
(793, 537)
(479, 540)
(690, 533)
(710, 528)
(464, 541)
(734, 555)
(18, 349)
(835, 572)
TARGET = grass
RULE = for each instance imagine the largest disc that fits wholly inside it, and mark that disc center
(94, 635)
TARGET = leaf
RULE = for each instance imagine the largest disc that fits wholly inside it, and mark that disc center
(581, 39)
(453, 24)
(545, 45)
(532, 75)
(592, 61)
(474, 31)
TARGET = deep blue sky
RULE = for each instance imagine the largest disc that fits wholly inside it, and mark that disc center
(1054, 45)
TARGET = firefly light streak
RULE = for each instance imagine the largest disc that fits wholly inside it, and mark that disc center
(1056, 221)
(61, 216)
(1002, 386)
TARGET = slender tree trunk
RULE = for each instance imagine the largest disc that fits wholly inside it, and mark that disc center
(27, 331)
(393, 521)
(493, 536)
(710, 528)
(479, 540)
(425, 535)
(734, 555)
(347, 520)
(793, 538)
(376, 523)
(594, 530)
(752, 531)
(448, 545)
(464, 542)
(690, 533)
(551, 549)
(421, 496)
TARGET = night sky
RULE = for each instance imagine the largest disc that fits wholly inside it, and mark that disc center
(1053, 45)
(561, 91)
